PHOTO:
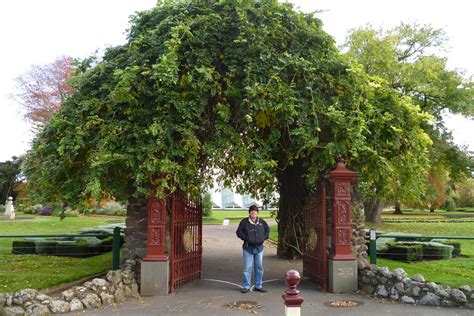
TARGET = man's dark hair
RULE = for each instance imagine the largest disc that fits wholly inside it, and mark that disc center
(253, 208)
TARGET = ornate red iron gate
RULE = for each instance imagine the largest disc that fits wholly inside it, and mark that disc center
(186, 240)
(315, 263)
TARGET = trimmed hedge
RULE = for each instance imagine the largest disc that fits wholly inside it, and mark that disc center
(456, 246)
(23, 247)
(417, 250)
(437, 251)
(78, 247)
(404, 252)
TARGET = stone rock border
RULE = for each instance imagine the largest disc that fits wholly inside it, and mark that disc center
(115, 288)
(397, 286)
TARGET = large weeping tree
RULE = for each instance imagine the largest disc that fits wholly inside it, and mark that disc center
(253, 89)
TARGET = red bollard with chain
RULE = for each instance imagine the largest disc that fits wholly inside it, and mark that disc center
(291, 297)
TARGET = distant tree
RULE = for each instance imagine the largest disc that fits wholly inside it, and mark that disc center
(405, 58)
(465, 193)
(43, 89)
(207, 205)
(10, 175)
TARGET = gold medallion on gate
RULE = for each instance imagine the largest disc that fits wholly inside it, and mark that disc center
(312, 239)
(188, 240)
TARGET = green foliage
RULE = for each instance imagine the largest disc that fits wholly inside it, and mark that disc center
(454, 243)
(10, 174)
(404, 252)
(207, 205)
(57, 207)
(248, 88)
(251, 88)
(418, 250)
(70, 213)
(437, 251)
(466, 193)
(404, 59)
(33, 209)
(23, 247)
(111, 208)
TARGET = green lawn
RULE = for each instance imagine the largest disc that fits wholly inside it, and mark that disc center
(274, 232)
(39, 272)
(22, 271)
(453, 272)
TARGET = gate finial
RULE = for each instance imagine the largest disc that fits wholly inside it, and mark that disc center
(291, 297)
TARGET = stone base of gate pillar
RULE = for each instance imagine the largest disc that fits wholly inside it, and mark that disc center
(154, 278)
(342, 276)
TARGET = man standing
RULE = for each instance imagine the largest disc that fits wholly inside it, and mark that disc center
(253, 231)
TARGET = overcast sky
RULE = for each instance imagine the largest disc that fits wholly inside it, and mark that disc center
(35, 32)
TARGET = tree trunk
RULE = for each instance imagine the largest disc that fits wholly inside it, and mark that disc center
(398, 210)
(293, 193)
(432, 209)
(373, 210)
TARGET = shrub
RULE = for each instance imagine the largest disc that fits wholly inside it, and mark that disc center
(46, 211)
(72, 249)
(51, 209)
(79, 247)
(436, 251)
(431, 250)
(456, 246)
(45, 247)
(106, 245)
(112, 208)
(33, 209)
(404, 252)
(70, 213)
(87, 211)
(381, 243)
(23, 247)
(2, 208)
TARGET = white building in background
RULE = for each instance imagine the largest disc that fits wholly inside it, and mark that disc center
(248, 200)
(227, 198)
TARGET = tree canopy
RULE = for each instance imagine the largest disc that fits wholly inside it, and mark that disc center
(406, 58)
(251, 88)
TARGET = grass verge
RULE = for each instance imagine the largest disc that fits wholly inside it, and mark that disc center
(39, 272)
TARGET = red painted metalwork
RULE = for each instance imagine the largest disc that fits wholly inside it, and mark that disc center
(292, 297)
(186, 240)
(341, 224)
(156, 230)
(315, 265)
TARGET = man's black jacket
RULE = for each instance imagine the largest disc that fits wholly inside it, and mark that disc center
(253, 233)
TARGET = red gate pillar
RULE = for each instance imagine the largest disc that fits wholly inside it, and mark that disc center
(156, 230)
(342, 263)
(154, 274)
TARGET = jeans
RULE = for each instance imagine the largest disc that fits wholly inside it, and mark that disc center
(249, 259)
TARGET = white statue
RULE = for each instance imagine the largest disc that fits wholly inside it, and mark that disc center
(9, 209)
